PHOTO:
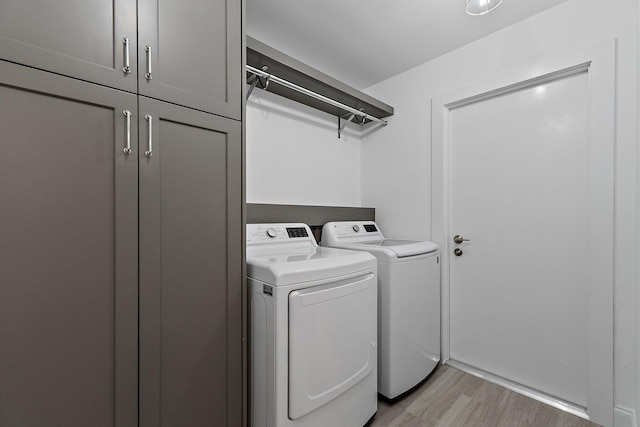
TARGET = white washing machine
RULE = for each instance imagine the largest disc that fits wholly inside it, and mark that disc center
(408, 302)
(313, 330)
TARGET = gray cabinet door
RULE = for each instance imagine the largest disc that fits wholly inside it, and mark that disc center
(193, 49)
(77, 38)
(68, 253)
(190, 267)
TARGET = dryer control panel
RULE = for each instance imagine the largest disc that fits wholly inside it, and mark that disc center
(370, 228)
(280, 233)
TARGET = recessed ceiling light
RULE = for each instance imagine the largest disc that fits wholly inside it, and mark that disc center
(480, 7)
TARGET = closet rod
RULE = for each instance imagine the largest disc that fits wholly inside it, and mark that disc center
(307, 92)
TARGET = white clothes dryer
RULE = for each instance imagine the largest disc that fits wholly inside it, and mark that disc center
(408, 302)
(313, 340)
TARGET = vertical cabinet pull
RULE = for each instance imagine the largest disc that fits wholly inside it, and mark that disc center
(127, 148)
(149, 119)
(127, 64)
(148, 74)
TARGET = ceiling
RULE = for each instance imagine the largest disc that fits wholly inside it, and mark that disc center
(362, 42)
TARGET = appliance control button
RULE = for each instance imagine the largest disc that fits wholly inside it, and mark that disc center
(356, 228)
(271, 232)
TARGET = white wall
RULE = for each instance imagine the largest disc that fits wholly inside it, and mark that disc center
(294, 155)
(403, 148)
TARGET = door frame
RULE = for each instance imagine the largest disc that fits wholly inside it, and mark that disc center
(599, 62)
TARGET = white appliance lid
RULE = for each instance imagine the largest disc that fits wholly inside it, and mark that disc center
(366, 235)
(288, 267)
(404, 248)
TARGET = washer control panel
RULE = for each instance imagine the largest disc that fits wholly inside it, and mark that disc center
(350, 231)
(351, 228)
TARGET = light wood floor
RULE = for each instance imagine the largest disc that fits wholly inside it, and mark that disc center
(452, 398)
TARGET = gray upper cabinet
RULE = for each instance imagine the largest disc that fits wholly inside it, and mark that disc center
(77, 38)
(190, 53)
(68, 252)
(190, 267)
(187, 52)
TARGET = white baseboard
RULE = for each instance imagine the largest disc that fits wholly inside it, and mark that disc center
(623, 417)
(524, 390)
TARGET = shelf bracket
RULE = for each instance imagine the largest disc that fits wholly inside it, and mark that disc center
(254, 79)
(349, 119)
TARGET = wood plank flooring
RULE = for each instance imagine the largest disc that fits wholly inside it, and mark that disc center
(452, 398)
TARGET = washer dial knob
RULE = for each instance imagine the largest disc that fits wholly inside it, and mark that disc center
(271, 232)
(356, 228)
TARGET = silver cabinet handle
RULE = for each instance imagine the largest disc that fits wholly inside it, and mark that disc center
(127, 64)
(149, 119)
(148, 74)
(127, 149)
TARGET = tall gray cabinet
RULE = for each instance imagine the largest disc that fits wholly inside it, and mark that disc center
(121, 201)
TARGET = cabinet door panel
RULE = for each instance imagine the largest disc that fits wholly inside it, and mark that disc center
(196, 53)
(68, 253)
(190, 268)
(77, 38)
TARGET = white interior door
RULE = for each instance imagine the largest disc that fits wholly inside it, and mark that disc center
(520, 192)
(528, 180)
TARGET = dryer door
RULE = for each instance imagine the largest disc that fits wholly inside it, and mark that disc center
(332, 341)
